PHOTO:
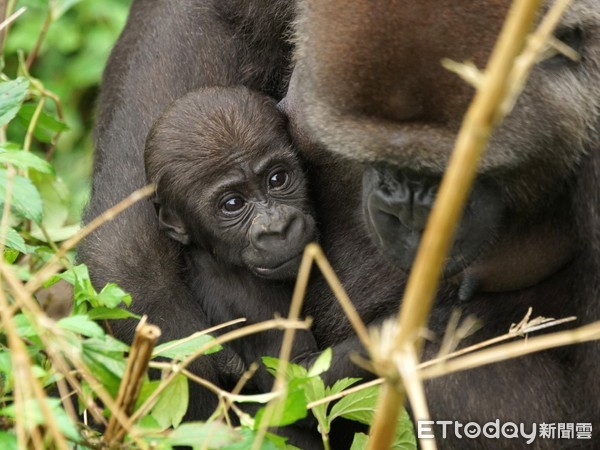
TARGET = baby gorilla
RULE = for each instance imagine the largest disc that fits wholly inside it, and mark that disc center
(230, 189)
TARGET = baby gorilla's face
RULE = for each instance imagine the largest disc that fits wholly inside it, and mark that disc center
(229, 181)
(261, 217)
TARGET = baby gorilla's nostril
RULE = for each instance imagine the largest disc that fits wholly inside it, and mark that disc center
(267, 232)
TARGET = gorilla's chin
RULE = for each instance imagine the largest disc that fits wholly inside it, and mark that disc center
(281, 271)
(397, 203)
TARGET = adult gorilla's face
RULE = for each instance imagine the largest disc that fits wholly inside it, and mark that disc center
(397, 204)
(371, 87)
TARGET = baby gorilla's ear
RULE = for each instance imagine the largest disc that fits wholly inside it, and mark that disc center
(171, 223)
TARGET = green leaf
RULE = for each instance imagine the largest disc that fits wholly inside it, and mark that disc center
(172, 403)
(112, 296)
(149, 423)
(46, 126)
(315, 390)
(107, 345)
(15, 241)
(322, 364)
(359, 406)
(59, 7)
(34, 417)
(12, 94)
(11, 255)
(360, 441)
(342, 384)
(24, 160)
(211, 435)
(107, 367)
(405, 438)
(8, 441)
(270, 442)
(182, 348)
(294, 372)
(102, 313)
(23, 326)
(148, 387)
(288, 411)
(5, 362)
(56, 199)
(71, 275)
(25, 200)
(81, 324)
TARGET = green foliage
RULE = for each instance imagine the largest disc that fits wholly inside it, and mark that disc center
(69, 64)
(358, 406)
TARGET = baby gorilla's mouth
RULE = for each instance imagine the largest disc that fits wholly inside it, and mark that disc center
(286, 269)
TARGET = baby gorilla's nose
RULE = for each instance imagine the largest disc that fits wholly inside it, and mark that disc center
(278, 227)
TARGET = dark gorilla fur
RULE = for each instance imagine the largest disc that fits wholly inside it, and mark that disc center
(368, 92)
(368, 85)
(167, 49)
(230, 189)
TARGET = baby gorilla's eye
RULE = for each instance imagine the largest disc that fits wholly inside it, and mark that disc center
(233, 204)
(278, 179)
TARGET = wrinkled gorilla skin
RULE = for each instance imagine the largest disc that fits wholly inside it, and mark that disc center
(368, 93)
(368, 85)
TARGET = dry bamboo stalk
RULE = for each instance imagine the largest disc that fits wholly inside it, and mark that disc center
(482, 116)
(144, 341)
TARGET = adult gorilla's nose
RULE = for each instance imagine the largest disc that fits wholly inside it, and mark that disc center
(406, 200)
(397, 203)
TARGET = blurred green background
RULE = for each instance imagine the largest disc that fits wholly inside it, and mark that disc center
(70, 63)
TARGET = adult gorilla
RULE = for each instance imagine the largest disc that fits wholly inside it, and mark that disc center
(169, 48)
(368, 85)
(368, 88)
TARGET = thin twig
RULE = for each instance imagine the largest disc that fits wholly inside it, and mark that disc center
(226, 337)
(515, 349)
(25, 380)
(522, 330)
(52, 335)
(6, 22)
(38, 43)
(54, 264)
(33, 124)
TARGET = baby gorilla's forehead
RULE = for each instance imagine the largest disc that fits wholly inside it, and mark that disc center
(249, 167)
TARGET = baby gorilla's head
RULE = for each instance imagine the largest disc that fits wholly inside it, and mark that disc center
(228, 180)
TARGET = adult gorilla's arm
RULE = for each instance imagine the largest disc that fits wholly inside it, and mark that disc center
(168, 48)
